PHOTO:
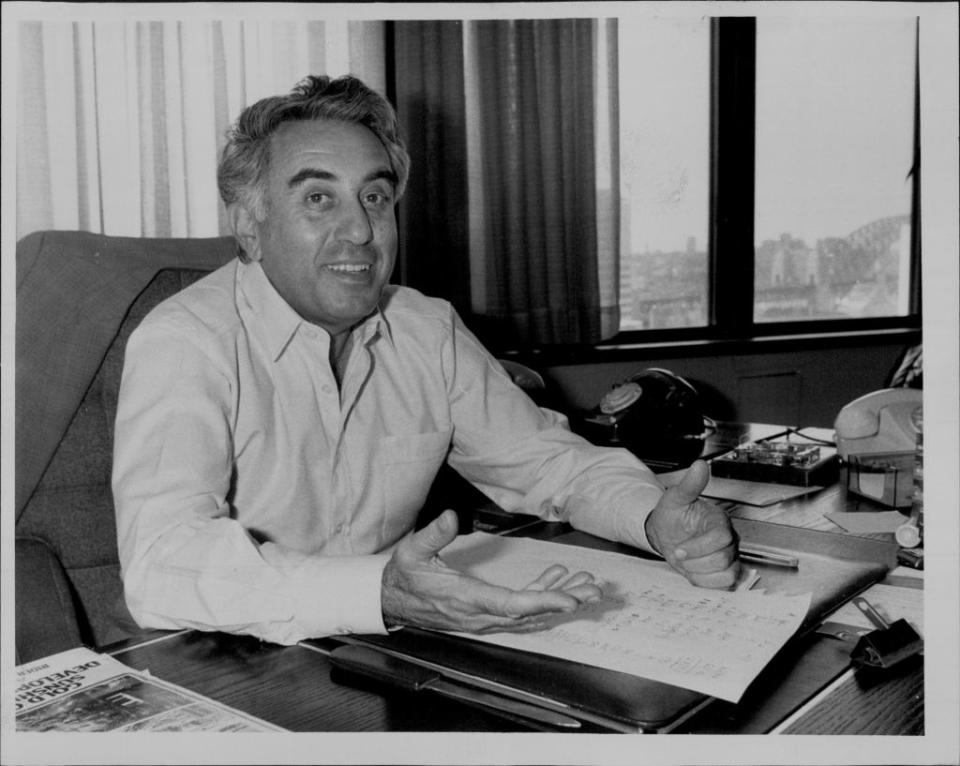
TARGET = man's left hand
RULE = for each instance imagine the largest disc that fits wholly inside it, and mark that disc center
(693, 535)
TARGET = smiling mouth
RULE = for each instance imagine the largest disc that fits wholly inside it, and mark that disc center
(349, 268)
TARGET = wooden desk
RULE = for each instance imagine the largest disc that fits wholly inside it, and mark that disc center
(292, 687)
(298, 688)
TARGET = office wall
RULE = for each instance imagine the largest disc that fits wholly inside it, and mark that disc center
(803, 387)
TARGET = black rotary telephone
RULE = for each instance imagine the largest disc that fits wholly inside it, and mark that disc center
(654, 413)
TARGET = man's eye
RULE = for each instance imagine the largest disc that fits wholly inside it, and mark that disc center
(377, 199)
(318, 198)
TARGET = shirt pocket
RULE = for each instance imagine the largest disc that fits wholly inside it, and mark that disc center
(410, 464)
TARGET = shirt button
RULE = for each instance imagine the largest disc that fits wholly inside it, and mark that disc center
(340, 529)
(326, 389)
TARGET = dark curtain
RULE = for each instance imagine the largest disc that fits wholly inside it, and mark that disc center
(535, 93)
(537, 101)
(429, 93)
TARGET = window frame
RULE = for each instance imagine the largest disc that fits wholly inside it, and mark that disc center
(731, 249)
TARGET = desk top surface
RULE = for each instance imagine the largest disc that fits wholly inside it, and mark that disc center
(298, 688)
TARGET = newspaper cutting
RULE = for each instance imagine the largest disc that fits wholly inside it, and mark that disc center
(80, 691)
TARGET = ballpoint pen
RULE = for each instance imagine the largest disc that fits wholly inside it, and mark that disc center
(762, 556)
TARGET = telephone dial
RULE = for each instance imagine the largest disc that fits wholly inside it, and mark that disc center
(653, 412)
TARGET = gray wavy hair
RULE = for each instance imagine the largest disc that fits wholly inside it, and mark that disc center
(246, 156)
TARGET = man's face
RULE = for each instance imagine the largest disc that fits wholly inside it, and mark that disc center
(329, 237)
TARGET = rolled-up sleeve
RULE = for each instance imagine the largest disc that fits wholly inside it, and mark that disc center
(186, 562)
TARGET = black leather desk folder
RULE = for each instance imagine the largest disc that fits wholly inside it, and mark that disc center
(622, 702)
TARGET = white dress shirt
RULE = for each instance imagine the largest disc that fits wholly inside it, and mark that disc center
(255, 496)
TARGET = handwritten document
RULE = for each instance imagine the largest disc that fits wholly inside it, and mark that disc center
(651, 622)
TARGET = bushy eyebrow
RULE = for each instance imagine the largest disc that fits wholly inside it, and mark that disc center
(308, 173)
(325, 175)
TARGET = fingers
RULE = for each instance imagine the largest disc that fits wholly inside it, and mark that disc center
(525, 625)
(580, 585)
(722, 580)
(514, 604)
(418, 588)
(715, 561)
(550, 577)
(551, 593)
(580, 578)
(586, 593)
(671, 478)
(709, 560)
(513, 611)
(717, 537)
(691, 485)
(434, 537)
(698, 541)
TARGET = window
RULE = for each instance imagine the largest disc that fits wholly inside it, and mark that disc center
(664, 167)
(833, 157)
(766, 173)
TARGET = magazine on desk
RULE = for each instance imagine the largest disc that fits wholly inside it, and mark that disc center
(82, 691)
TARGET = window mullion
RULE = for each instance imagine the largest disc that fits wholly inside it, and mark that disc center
(732, 116)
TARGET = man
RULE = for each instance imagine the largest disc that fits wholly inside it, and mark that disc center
(281, 420)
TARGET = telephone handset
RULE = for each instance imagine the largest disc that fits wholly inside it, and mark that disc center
(649, 408)
(879, 422)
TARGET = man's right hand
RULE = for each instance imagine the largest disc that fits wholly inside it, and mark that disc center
(419, 589)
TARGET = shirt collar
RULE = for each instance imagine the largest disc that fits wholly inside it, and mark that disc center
(380, 317)
(278, 322)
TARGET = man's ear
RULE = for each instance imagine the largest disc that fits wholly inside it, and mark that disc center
(245, 229)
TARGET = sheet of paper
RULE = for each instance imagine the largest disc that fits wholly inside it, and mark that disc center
(651, 621)
(753, 492)
(867, 522)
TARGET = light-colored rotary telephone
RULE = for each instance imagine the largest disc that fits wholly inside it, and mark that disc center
(879, 422)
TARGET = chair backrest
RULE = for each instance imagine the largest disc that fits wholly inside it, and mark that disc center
(66, 544)
(79, 296)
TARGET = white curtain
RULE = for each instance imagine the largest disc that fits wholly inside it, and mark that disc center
(120, 123)
(608, 202)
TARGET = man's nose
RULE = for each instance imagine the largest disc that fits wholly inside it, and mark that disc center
(354, 225)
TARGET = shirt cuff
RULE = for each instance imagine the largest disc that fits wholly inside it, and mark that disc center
(340, 594)
(621, 521)
(631, 518)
